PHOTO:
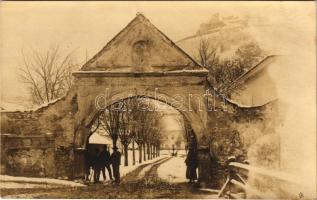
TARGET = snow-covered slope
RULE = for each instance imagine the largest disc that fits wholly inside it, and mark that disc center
(275, 38)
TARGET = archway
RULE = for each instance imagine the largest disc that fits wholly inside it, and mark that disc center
(137, 132)
(189, 116)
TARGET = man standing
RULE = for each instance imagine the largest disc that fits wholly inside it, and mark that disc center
(115, 159)
(96, 165)
(105, 162)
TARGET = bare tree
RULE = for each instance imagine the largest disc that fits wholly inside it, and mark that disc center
(110, 121)
(130, 122)
(141, 133)
(129, 126)
(136, 114)
(142, 116)
(125, 129)
(47, 74)
(153, 132)
(207, 53)
(156, 140)
(228, 70)
(207, 57)
(222, 73)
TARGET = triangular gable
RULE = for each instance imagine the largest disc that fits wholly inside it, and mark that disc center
(141, 47)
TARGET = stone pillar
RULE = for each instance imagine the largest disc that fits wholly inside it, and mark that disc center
(204, 161)
(79, 147)
(204, 166)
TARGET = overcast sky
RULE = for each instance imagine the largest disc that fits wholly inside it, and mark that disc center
(88, 26)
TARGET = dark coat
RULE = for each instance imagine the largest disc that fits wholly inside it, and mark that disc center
(191, 163)
(90, 159)
(104, 158)
(191, 159)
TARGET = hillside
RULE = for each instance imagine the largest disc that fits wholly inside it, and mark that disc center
(230, 33)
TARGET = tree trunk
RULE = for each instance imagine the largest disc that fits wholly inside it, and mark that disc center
(204, 165)
(155, 150)
(140, 152)
(144, 152)
(150, 147)
(114, 142)
(133, 153)
(126, 161)
(153, 153)
(148, 151)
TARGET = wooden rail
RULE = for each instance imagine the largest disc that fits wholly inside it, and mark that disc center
(236, 179)
(266, 172)
(252, 190)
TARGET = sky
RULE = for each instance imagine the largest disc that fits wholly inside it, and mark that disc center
(88, 26)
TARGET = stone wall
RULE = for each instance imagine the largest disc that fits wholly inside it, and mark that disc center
(20, 123)
(27, 155)
(66, 119)
(55, 119)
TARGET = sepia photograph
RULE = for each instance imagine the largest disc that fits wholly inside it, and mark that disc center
(158, 100)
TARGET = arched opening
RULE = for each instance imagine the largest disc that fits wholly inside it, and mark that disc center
(145, 131)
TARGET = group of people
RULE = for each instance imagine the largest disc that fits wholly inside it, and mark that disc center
(97, 161)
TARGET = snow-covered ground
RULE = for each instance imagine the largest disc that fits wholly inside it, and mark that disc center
(29, 182)
(10, 185)
(173, 170)
(169, 152)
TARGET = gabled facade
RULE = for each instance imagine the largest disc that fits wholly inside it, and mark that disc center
(141, 47)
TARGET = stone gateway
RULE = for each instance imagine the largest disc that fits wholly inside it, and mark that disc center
(139, 61)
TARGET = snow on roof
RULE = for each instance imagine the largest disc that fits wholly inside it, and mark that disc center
(96, 138)
(19, 108)
(257, 68)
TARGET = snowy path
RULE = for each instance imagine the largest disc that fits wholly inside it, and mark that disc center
(141, 170)
(125, 170)
(148, 167)
(174, 170)
(142, 182)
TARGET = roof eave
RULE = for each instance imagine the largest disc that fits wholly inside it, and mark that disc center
(199, 73)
